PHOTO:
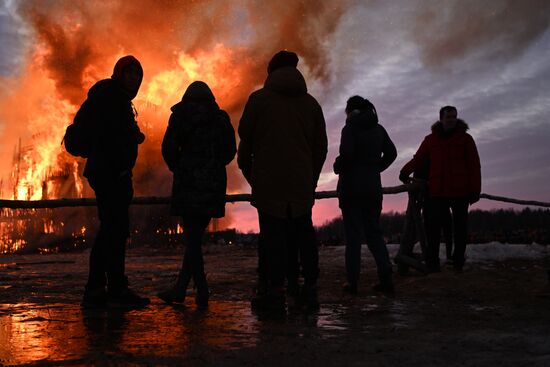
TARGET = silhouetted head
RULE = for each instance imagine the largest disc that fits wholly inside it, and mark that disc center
(129, 73)
(363, 106)
(198, 91)
(448, 117)
(282, 59)
(355, 103)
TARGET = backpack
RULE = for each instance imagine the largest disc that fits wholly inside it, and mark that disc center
(78, 135)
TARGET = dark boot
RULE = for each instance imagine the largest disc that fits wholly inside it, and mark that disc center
(203, 294)
(311, 299)
(270, 301)
(119, 295)
(352, 284)
(385, 286)
(176, 293)
(94, 298)
(350, 287)
(126, 298)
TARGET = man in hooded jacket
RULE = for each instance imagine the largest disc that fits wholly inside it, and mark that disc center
(115, 140)
(454, 182)
(283, 145)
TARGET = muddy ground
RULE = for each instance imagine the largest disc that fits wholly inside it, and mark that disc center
(495, 313)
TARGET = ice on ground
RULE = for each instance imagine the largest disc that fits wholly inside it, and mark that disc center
(479, 253)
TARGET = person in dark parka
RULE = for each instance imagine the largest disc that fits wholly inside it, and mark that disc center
(366, 150)
(281, 153)
(199, 142)
(454, 182)
(115, 140)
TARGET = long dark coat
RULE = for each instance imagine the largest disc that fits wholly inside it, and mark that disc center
(197, 145)
(283, 144)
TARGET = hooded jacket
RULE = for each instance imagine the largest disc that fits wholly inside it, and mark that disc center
(453, 161)
(283, 144)
(116, 134)
(199, 142)
(366, 150)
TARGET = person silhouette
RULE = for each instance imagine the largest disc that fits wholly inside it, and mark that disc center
(114, 151)
(366, 150)
(454, 182)
(199, 142)
(281, 153)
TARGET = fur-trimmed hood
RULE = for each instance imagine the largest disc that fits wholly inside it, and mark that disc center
(461, 126)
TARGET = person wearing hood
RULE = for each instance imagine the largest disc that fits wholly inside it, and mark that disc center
(283, 145)
(454, 181)
(366, 150)
(197, 146)
(114, 150)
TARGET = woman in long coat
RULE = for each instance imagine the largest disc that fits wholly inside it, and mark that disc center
(366, 150)
(198, 144)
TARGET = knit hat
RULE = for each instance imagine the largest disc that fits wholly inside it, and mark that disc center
(282, 59)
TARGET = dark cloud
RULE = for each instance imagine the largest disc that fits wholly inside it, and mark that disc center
(453, 29)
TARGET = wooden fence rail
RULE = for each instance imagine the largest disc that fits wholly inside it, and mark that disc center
(232, 198)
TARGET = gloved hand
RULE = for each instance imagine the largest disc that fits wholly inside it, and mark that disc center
(473, 198)
(403, 177)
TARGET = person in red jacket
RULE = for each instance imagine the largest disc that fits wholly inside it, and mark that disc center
(454, 181)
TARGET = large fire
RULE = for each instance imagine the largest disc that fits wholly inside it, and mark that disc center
(37, 165)
(71, 46)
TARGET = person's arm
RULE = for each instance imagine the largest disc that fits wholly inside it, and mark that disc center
(320, 144)
(246, 129)
(389, 152)
(137, 135)
(170, 146)
(420, 158)
(474, 168)
(345, 151)
(230, 147)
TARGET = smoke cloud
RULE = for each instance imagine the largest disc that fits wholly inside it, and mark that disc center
(451, 30)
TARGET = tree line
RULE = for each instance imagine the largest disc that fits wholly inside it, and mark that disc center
(502, 225)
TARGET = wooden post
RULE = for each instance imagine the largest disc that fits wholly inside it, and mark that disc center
(413, 232)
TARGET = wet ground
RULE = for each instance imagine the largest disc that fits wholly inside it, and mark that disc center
(492, 314)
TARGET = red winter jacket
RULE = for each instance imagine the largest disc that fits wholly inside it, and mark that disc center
(453, 160)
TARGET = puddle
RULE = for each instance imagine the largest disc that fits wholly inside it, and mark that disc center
(31, 332)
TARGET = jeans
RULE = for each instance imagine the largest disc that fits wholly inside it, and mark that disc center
(362, 216)
(436, 209)
(281, 241)
(108, 253)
